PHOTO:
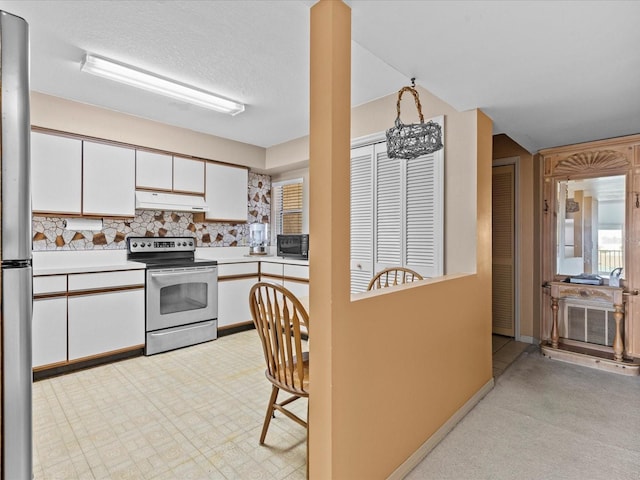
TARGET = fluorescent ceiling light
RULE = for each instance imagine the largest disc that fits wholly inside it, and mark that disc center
(148, 81)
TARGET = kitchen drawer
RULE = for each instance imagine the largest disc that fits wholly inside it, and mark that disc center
(271, 268)
(296, 271)
(50, 284)
(97, 281)
(232, 269)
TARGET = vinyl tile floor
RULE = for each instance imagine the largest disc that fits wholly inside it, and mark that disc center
(194, 413)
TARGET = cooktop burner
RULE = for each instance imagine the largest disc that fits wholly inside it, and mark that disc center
(164, 252)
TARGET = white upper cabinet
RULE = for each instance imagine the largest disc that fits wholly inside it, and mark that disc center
(56, 174)
(109, 176)
(157, 171)
(226, 192)
(188, 175)
(154, 170)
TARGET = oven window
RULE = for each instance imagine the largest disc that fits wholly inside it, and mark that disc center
(183, 297)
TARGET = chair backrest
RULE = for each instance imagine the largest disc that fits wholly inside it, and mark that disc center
(277, 315)
(393, 276)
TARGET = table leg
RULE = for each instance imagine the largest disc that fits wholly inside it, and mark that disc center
(554, 322)
(618, 344)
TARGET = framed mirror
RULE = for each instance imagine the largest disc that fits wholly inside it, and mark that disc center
(591, 225)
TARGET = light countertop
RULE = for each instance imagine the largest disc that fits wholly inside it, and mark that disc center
(87, 261)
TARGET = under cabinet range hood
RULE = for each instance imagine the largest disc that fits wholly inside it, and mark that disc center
(169, 201)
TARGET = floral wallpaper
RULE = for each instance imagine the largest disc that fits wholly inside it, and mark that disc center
(49, 233)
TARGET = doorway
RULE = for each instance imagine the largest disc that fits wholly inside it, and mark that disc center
(503, 202)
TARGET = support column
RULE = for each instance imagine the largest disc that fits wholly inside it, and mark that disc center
(329, 177)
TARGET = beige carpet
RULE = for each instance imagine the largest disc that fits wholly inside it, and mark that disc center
(545, 420)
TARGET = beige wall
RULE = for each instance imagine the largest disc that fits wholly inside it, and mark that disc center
(528, 255)
(376, 117)
(285, 156)
(390, 367)
(67, 116)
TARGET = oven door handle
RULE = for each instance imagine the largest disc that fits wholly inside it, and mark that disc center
(182, 272)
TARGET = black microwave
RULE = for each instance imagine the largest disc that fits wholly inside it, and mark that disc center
(294, 246)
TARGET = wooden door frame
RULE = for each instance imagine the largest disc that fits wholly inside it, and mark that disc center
(515, 161)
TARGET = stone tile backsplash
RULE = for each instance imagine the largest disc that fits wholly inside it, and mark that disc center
(49, 233)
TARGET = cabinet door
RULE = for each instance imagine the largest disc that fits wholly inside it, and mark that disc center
(233, 301)
(294, 276)
(154, 170)
(108, 180)
(49, 331)
(56, 174)
(226, 192)
(271, 272)
(188, 175)
(296, 271)
(105, 322)
(299, 289)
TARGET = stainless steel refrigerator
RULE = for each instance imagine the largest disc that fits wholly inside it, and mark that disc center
(15, 253)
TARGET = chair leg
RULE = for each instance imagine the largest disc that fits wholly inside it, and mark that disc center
(270, 411)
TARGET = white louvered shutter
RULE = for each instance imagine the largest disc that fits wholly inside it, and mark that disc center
(397, 212)
(424, 215)
(388, 209)
(361, 218)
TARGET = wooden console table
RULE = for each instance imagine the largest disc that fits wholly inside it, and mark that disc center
(593, 293)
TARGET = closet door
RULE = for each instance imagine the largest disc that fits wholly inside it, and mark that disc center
(503, 250)
(361, 218)
(389, 209)
(396, 213)
(424, 212)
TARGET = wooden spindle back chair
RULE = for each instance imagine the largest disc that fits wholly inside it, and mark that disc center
(278, 315)
(393, 276)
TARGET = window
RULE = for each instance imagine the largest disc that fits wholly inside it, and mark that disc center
(288, 206)
(396, 212)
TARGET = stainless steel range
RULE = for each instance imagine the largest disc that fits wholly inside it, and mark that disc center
(181, 292)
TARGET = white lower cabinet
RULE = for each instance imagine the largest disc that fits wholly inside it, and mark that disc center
(49, 331)
(296, 280)
(271, 272)
(233, 301)
(299, 289)
(105, 322)
(234, 284)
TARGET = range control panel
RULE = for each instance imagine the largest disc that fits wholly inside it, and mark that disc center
(164, 244)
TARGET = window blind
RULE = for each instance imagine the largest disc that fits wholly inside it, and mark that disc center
(288, 207)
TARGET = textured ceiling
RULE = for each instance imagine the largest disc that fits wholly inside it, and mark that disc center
(547, 73)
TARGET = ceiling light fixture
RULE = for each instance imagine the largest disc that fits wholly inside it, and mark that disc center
(153, 83)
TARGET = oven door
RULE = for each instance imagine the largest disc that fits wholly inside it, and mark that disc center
(180, 296)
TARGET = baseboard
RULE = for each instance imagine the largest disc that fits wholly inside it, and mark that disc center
(424, 449)
(526, 339)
